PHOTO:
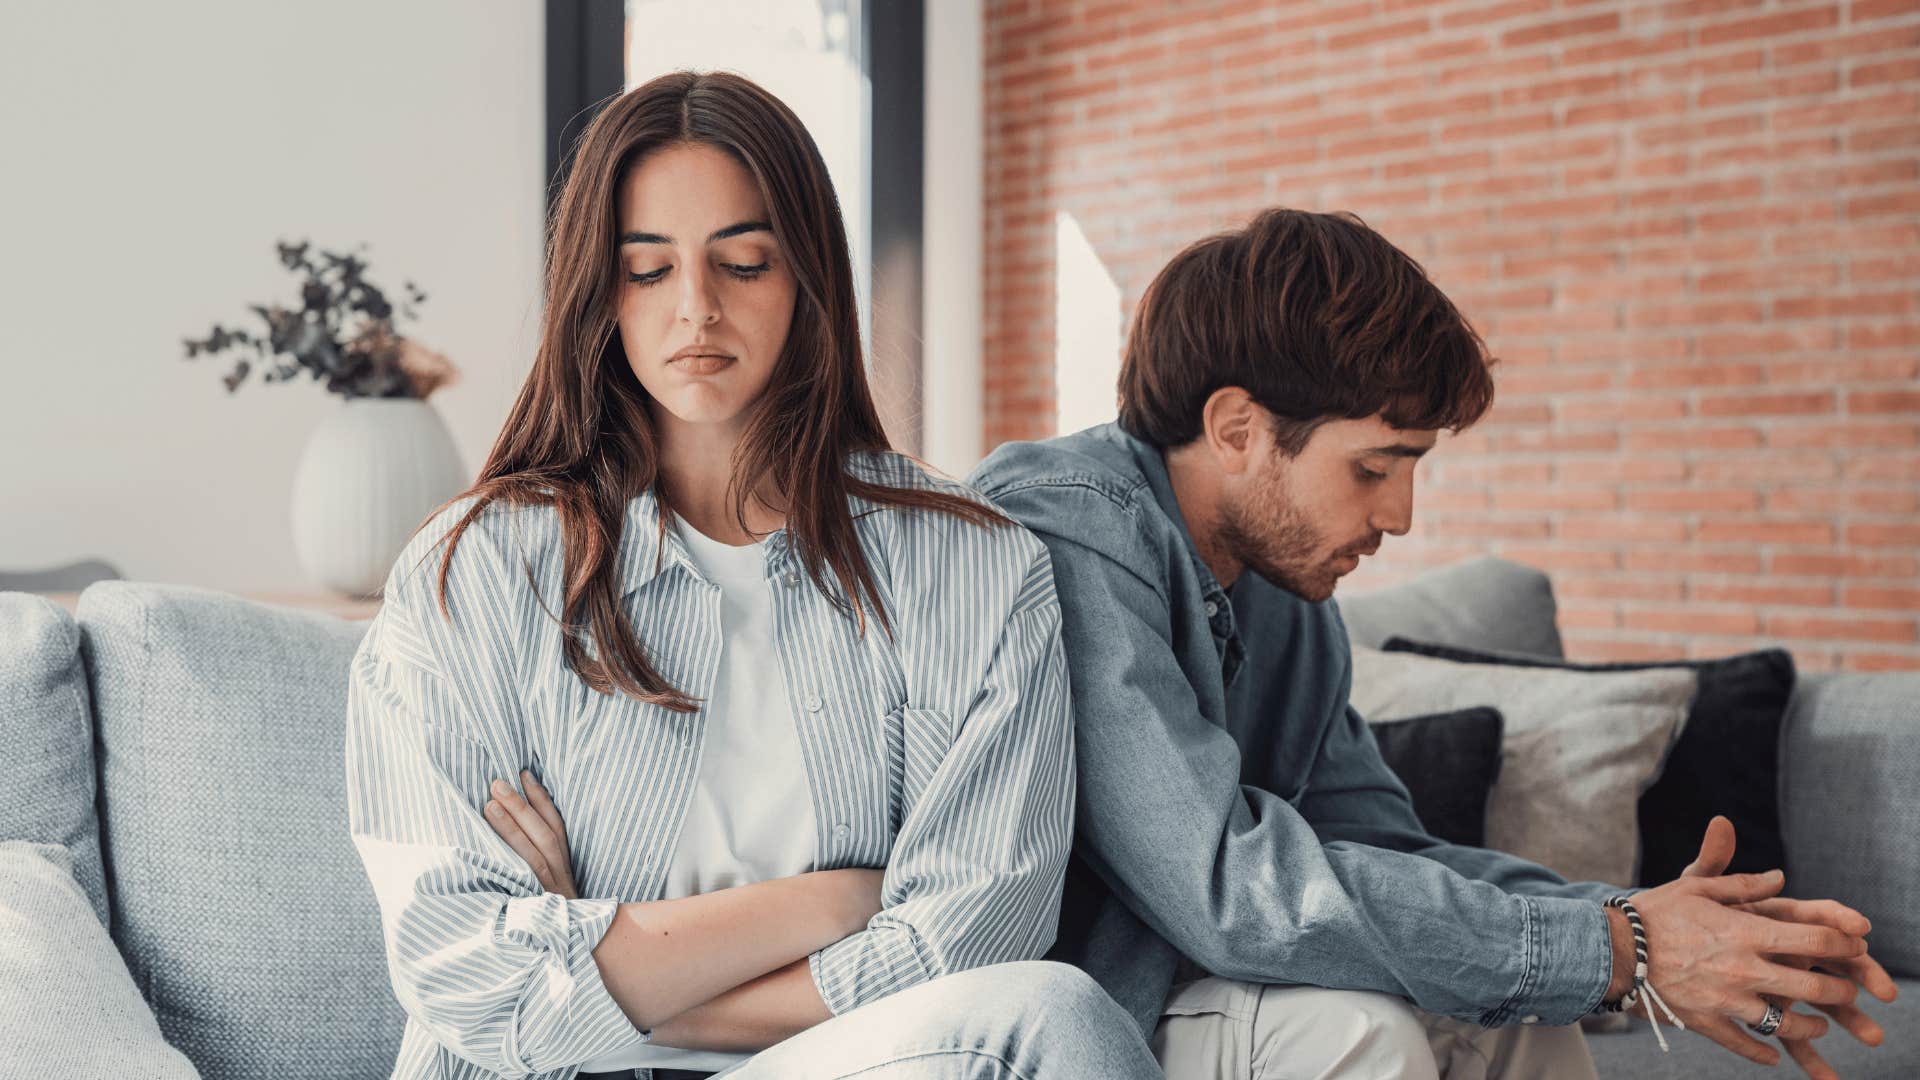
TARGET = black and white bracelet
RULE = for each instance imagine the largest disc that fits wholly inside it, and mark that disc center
(1641, 989)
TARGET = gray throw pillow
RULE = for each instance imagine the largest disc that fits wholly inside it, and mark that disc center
(67, 1003)
(46, 738)
(1485, 603)
(1579, 749)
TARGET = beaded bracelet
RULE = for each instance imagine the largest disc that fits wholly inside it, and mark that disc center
(1641, 987)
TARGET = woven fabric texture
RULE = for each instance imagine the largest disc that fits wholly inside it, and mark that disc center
(46, 738)
(238, 901)
(67, 1004)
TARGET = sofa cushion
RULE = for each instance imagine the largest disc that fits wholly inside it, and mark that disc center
(1485, 603)
(1850, 802)
(46, 738)
(1579, 749)
(67, 1004)
(238, 900)
(1449, 762)
(1726, 762)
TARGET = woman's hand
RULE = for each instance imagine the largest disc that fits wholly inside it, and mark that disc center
(533, 829)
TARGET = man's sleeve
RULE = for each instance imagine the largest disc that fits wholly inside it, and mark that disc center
(976, 870)
(1233, 875)
(1353, 797)
(493, 968)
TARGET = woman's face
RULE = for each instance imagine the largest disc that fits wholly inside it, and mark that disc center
(705, 296)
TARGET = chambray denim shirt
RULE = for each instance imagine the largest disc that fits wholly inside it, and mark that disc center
(1233, 808)
(943, 753)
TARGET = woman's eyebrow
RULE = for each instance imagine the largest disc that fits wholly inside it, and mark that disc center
(734, 229)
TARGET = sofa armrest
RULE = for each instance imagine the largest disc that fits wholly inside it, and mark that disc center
(1850, 802)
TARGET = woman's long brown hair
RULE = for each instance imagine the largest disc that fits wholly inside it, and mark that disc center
(579, 436)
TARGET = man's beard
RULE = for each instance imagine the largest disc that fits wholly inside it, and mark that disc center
(1277, 540)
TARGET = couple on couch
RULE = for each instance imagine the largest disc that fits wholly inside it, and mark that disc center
(732, 742)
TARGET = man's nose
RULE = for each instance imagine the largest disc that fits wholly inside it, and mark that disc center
(1393, 514)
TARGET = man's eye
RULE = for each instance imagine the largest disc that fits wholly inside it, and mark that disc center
(1368, 474)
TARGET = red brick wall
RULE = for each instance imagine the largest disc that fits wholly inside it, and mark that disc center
(1689, 230)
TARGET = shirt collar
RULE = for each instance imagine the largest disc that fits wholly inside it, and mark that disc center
(1153, 466)
(647, 551)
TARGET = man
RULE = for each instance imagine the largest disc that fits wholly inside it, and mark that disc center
(1250, 881)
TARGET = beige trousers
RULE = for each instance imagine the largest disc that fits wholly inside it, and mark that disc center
(1220, 1029)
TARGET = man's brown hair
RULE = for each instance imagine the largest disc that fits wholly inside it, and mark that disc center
(1315, 315)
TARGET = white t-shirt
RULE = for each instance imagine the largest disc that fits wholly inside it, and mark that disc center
(750, 817)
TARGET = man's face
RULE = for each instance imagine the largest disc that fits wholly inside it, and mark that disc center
(1305, 522)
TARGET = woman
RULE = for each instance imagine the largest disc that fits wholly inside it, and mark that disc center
(792, 712)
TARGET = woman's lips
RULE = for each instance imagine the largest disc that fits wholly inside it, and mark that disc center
(701, 363)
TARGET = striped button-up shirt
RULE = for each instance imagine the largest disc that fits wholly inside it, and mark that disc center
(942, 752)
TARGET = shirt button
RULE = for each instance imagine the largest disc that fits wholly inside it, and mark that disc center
(1212, 609)
(813, 702)
(1529, 1019)
(793, 578)
(841, 831)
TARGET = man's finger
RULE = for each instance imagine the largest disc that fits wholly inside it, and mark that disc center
(1813, 913)
(1723, 1031)
(1799, 984)
(1809, 1060)
(1867, 972)
(1716, 850)
(1856, 1023)
(1793, 1025)
(509, 830)
(1742, 888)
(1811, 942)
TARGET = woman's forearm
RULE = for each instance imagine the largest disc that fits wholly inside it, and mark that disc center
(750, 1017)
(662, 958)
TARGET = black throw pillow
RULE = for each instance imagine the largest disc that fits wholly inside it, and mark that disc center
(1726, 762)
(1449, 762)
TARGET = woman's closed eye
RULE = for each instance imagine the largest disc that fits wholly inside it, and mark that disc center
(744, 273)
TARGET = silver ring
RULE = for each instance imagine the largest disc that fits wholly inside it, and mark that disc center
(1770, 1023)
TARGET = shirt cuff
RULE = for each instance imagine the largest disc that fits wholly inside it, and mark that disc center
(1569, 962)
(865, 967)
(578, 1019)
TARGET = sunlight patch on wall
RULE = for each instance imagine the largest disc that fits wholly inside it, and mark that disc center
(1086, 327)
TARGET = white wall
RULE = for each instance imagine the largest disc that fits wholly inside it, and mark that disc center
(152, 153)
(953, 227)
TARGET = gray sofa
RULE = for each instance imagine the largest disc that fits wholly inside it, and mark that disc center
(182, 749)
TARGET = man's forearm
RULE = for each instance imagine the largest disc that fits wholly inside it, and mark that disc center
(662, 958)
(750, 1017)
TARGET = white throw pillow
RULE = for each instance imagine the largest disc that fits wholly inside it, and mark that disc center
(1579, 749)
(67, 1004)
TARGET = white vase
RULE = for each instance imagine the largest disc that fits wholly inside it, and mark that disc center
(370, 474)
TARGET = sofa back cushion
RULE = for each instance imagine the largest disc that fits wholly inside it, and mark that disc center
(1487, 603)
(1850, 802)
(238, 901)
(46, 738)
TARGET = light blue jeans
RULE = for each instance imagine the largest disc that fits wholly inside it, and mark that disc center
(1034, 1020)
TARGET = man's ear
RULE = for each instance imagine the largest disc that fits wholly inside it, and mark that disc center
(1230, 425)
